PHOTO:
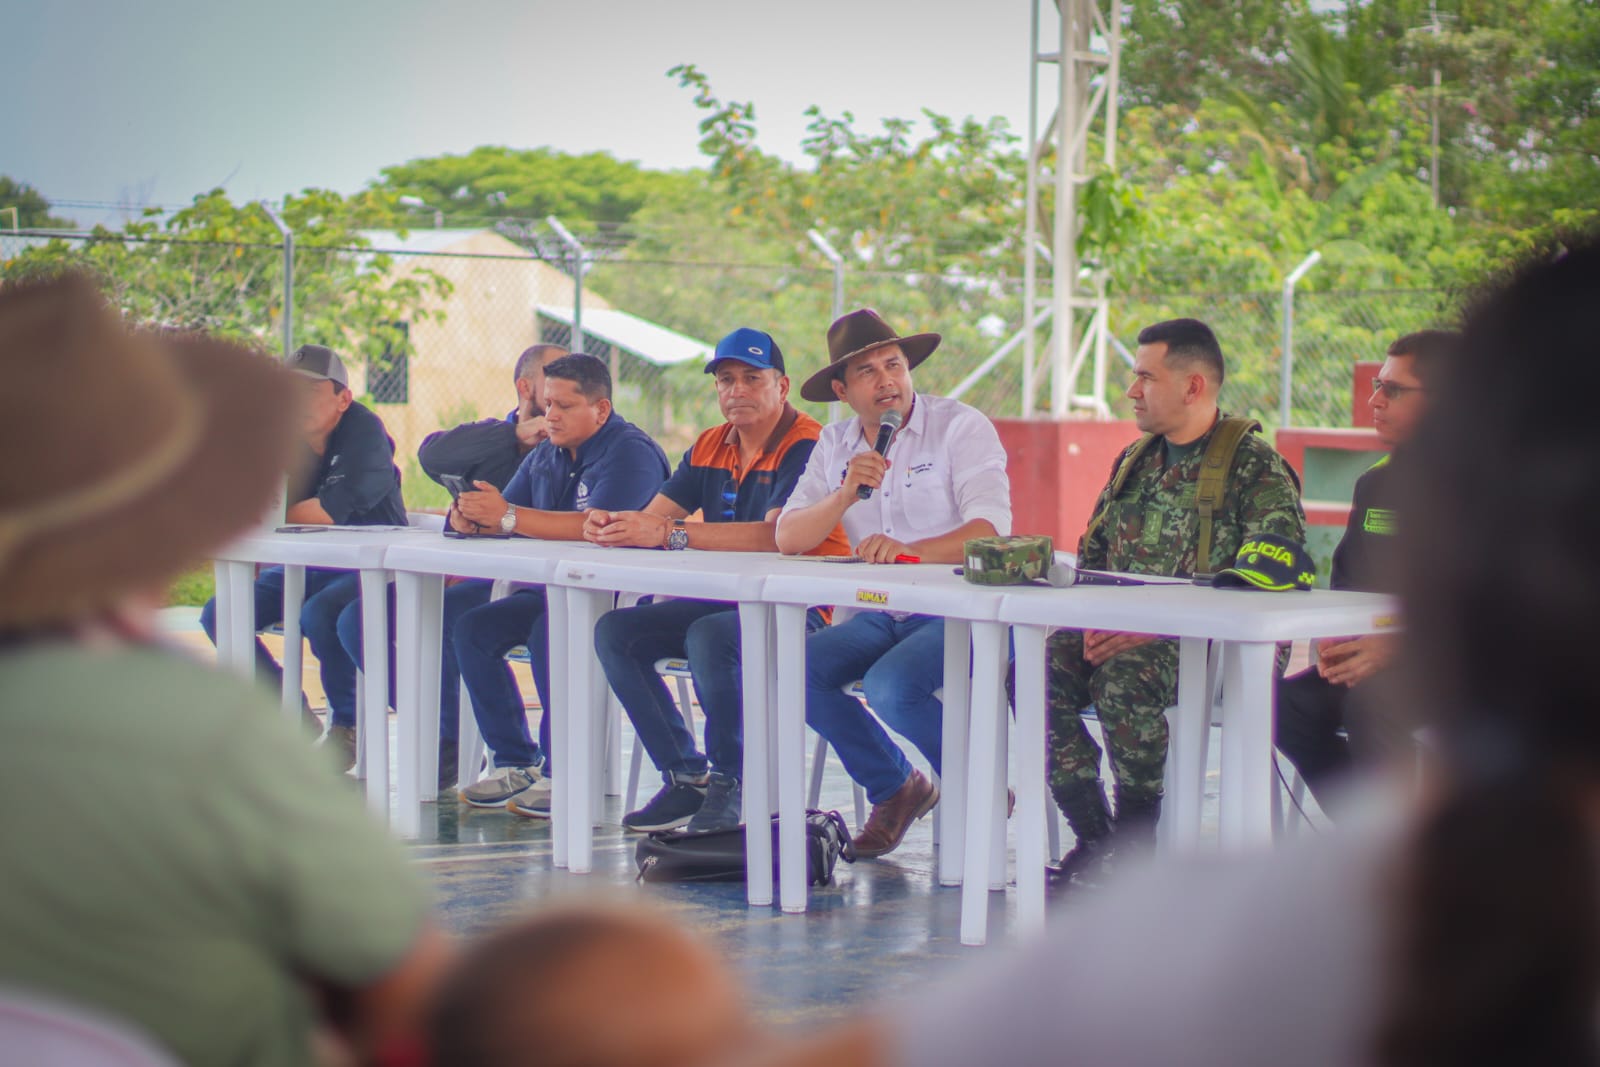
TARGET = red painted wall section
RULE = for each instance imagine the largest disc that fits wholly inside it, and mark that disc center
(1057, 468)
(1361, 392)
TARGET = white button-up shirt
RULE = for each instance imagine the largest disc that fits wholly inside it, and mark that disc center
(947, 468)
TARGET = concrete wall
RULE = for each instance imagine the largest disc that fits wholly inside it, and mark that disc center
(1057, 469)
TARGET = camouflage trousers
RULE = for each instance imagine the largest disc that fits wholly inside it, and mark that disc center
(1131, 692)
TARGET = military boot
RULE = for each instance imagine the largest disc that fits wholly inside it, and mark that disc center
(1137, 815)
(1084, 804)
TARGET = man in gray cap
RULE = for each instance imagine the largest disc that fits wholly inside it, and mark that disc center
(346, 477)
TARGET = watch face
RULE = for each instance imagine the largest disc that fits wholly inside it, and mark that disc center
(678, 538)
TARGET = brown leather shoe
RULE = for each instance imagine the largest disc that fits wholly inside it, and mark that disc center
(887, 824)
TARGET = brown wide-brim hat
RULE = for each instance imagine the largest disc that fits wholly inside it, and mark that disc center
(128, 455)
(856, 334)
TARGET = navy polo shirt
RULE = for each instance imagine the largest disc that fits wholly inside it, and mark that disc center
(355, 479)
(618, 469)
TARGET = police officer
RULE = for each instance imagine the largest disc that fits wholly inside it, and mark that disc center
(1146, 521)
(1317, 719)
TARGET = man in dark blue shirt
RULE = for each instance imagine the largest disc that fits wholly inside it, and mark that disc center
(346, 477)
(594, 458)
(737, 476)
(491, 450)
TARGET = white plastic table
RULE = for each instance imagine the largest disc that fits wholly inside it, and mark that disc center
(589, 576)
(419, 569)
(970, 613)
(1249, 623)
(344, 548)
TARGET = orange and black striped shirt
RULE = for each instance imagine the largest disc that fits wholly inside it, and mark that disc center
(710, 480)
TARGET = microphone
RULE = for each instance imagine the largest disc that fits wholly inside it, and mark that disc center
(886, 427)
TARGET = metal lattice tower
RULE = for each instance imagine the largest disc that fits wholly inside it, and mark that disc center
(1086, 65)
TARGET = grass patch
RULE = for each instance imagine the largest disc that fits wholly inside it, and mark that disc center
(192, 590)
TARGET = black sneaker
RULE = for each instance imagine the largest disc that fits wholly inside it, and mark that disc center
(670, 808)
(721, 808)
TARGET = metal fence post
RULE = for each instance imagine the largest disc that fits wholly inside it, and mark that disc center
(576, 250)
(832, 256)
(1286, 372)
(288, 278)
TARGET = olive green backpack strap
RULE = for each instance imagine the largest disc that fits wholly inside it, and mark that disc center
(1119, 478)
(1214, 468)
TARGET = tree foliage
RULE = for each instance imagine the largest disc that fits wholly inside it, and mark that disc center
(218, 266)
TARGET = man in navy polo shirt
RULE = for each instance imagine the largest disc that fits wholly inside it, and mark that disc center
(737, 476)
(346, 477)
(593, 458)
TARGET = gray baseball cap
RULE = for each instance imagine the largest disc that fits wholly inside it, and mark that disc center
(320, 362)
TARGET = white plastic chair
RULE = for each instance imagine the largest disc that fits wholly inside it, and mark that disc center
(35, 1032)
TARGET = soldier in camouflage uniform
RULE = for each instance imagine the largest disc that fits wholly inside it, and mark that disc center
(1151, 526)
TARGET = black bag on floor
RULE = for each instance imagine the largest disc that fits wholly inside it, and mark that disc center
(719, 856)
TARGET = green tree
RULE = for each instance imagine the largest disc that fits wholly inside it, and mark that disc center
(494, 182)
(33, 210)
(218, 266)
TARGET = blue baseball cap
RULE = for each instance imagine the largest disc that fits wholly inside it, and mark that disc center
(749, 346)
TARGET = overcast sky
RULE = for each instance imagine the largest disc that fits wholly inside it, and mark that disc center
(153, 101)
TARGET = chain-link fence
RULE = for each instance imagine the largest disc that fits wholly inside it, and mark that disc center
(430, 324)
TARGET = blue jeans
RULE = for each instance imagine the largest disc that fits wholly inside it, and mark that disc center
(349, 628)
(901, 664)
(628, 642)
(482, 631)
(327, 594)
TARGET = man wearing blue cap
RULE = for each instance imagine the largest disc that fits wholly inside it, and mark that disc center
(737, 476)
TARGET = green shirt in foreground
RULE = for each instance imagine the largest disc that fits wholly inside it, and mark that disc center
(176, 855)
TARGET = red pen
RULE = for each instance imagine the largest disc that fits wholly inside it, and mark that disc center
(904, 558)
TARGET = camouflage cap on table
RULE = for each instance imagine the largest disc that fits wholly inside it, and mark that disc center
(1007, 560)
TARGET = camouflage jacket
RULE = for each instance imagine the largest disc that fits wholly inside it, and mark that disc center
(1153, 526)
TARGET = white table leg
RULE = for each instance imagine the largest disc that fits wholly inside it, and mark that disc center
(988, 653)
(755, 667)
(585, 704)
(1180, 824)
(997, 806)
(1247, 745)
(953, 745)
(1033, 802)
(790, 624)
(241, 617)
(222, 577)
(557, 605)
(419, 597)
(294, 598)
(430, 635)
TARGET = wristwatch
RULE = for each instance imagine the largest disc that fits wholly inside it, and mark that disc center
(508, 521)
(677, 537)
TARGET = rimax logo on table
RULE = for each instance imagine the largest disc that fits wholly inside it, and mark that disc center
(871, 596)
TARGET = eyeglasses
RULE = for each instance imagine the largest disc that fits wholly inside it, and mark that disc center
(1393, 390)
(730, 501)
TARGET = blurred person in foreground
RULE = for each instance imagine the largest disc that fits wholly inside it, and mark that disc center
(1328, 717)
(176, 857)
(1457, 925)
(590, 986)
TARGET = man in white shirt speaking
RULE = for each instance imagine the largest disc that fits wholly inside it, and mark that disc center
(942, 482)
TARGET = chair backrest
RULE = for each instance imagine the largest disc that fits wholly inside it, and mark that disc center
(35, 1032)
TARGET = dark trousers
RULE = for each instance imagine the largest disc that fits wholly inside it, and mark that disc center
(629, 641)
(482, 631)
(349, 629)
(327, 594)
(1322, 729)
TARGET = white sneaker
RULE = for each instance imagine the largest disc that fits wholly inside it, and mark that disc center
(505, 783)
(533, 802)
